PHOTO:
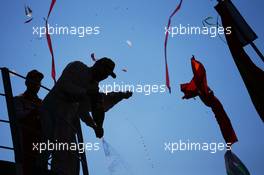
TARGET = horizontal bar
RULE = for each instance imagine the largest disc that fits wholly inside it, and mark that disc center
(14, 73)
(2, 94)
(4, 121)
(5, 147)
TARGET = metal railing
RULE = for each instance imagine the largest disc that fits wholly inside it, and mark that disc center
(8, 94)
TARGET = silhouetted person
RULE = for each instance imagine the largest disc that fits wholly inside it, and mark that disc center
(27, 112)
(75, 94)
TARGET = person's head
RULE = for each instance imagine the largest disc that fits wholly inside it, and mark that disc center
(102, 68)
(33, 81)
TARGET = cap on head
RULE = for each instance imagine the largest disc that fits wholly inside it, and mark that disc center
(34, 76)
(108, 64)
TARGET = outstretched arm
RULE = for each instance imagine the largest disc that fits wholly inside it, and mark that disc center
(98, 111)
(88, 120)
(112, 98)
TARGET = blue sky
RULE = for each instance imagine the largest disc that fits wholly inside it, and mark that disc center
(159, 117)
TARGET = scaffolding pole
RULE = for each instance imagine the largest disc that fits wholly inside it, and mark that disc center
(12, 119)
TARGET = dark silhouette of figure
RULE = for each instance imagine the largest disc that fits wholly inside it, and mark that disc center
(27, 112)
(73, 97)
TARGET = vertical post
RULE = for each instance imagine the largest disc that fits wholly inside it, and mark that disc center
(83, 155)
(12, 119)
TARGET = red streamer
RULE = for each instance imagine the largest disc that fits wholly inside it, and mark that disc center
(53, 69)
(165, 46)
(198, 87)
